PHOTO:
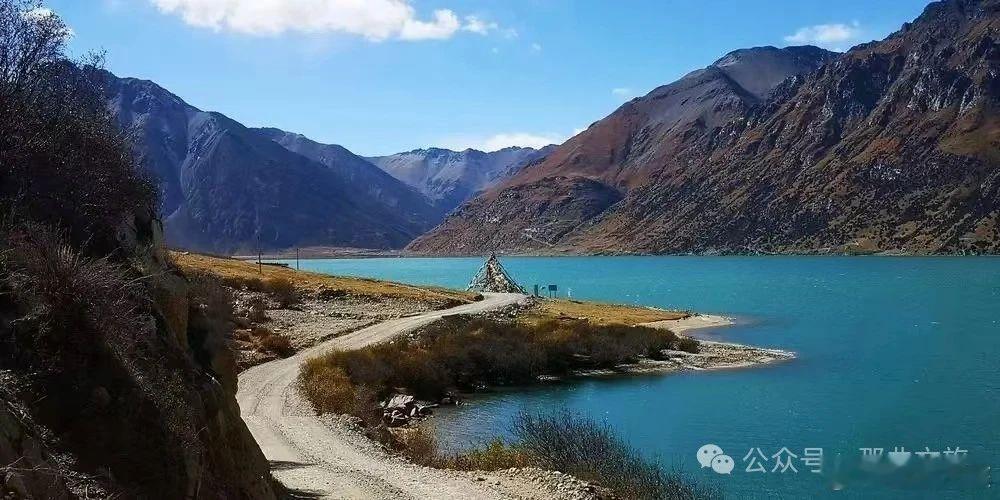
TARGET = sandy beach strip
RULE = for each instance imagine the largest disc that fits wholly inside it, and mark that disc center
(692, 322)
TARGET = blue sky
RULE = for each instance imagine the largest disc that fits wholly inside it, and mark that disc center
(383, 76)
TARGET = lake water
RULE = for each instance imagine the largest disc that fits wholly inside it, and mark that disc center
(892, 352)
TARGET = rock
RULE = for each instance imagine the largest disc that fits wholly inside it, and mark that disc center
(400, 401)
(424, 408)
(170, 300)
(241, 322)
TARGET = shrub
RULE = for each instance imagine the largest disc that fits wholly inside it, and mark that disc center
(459, 352)
(268, 341)
(256, 309)
(417, 444)
(496, 455)
(72, 296)
(331, 391)
(283, 291)
(467, 353)
(277, 343)
(208, 294)
(594, 452)
(687, 344)
(327, 387)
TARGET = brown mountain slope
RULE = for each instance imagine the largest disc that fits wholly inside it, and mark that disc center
(893, 146)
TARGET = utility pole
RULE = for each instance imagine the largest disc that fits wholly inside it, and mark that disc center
(296, 259)
(260, 265)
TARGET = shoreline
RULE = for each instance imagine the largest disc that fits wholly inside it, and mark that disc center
(352, 313)
(713, 355)
(692, 322)
(354, 253)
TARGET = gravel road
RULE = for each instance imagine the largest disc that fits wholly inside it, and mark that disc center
(319, 458)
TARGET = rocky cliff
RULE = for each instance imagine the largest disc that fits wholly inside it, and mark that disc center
(891, 146)
(116, 380)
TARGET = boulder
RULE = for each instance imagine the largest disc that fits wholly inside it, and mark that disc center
(399, 401)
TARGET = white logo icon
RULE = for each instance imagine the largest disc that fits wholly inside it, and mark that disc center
(899, 456)
(712, 456)
(723, 464)
(707, 453)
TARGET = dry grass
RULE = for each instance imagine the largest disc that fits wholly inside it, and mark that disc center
(464, 353)
(593, 451)
(240, 271)
(284, 291)
(565, 442)
(496, 455)
(268, 341)
(599, 313)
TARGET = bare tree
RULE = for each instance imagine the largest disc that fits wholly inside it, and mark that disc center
(63, 160)
(31, 37)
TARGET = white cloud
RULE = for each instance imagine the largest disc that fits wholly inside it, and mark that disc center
(524, 140)
(475, 25)
(826, 35)
(503, 140)
(444, 25)
(622, 92)
(536, 47)
(375, 20)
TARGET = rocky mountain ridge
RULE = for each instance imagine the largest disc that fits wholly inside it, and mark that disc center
(452, 177)
(891, 146)
(228, 188)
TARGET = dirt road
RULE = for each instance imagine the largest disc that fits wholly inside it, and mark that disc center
(316, 457)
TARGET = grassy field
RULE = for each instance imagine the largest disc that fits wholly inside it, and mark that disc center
(599, 313)
(235, 271)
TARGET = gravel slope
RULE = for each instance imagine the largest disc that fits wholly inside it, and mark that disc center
(317, 457)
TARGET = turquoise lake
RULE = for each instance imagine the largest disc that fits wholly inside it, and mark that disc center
(892, 352)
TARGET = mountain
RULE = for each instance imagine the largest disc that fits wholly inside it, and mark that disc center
(359, 173)
(892, 146)
(228, 188)
(593, 171)
(452, 177)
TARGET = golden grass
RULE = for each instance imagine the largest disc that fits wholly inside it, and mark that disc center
(230, 270)
(599, 313)
(234, 270)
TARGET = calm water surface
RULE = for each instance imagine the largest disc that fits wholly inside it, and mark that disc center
(892, 352)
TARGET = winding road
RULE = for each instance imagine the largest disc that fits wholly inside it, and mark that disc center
(316, 457)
